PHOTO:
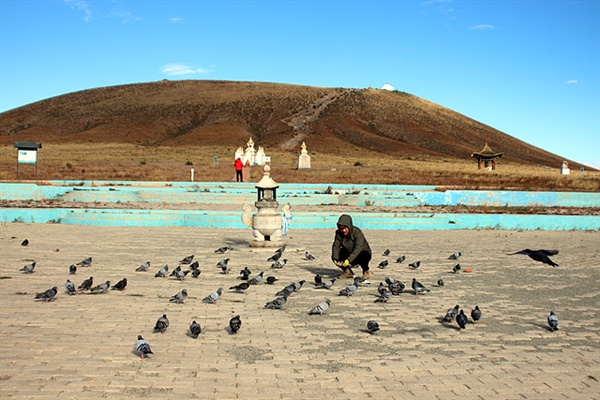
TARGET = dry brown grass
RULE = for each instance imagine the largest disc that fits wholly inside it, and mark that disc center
(109, 161)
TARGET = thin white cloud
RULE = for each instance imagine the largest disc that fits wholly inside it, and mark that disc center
(80, 5)
(176, 20)
(571, 82)
(482, 26)
(181, 69)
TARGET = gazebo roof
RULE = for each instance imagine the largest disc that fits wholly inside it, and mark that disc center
(486, 152)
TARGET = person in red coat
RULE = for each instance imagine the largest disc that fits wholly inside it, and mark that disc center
(239, 165)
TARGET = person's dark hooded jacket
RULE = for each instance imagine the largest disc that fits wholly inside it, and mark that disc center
(348, 247)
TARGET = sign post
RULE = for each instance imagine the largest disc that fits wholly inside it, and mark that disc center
(27, 154)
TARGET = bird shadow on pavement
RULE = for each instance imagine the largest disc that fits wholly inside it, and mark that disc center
(448, 326)
(235, 242)
(323, 271)
(541, 326)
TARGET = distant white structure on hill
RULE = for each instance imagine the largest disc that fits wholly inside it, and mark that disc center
(387, 86)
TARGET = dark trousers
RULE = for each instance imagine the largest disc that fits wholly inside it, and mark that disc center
(362, 259)
(238, 175)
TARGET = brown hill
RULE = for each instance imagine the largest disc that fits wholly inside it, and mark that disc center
(332, 120)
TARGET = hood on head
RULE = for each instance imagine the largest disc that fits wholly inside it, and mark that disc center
(345, 220)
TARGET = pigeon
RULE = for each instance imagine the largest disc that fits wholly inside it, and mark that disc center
(48, 295)
(195, 265)
(182, 274)
(161, 324)
(456, 268)
(195, 329)
(187, 260)
(455, 256)
(256, 280)
(222, 250)
(241, 287)
(142, 347)
(286, 291)
(162, 272)
(297, 285)
(279, 264)
(277, 304)
(25, 242)
(271, 280)
(396, 287)
(245, 274)
(235, 324)
(275, 256)
(384, 295)
(451, 314)
(196, 273)
(144, 267)
(175, 271)
(381, 288)
(415, 264)
(101, 288)
(386, 252)
(28, 269)
(120, 285)
(540, 255)
(180, 297)
(86, 284)
(308, 256)
(223, 264)
(418, 287)
(461, 319)
(85, 263)
(383, 264)
(213, 297)
(400, 259)
(553, 321)
(70, 287)
(327, 284)
(476, 314)
(372, 326)
(350, 289)
(72, 269)
(321, 308)
(318, 279)
(440, 282)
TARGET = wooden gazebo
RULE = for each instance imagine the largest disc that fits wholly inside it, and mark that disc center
(486, 156)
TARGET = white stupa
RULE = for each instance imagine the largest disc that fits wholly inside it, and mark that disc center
(387, 86)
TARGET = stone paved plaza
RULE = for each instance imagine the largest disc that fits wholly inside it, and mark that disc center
(80, 347)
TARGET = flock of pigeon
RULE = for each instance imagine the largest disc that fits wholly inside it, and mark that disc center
(385, 291)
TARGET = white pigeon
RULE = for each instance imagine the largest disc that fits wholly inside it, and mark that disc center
(28, 269)
(321, 308)
(213, 297)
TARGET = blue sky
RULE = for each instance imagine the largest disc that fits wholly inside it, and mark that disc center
(528, 68)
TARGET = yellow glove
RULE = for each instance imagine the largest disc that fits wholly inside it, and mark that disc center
(346, 263)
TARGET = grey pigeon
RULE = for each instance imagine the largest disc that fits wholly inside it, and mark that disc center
(101, 288)
(540, 255)
(308, 256)
(372, 326)
(318, 279)
(142, 347)
(321, 308)
(162, 272)
(553, 321)
(144, 267)
(86, 284)
(298, 285)
(175, 271)
(327, 284)
(72, 269)
(384, 295)
(187, 260)
(286, 291)
(180, 297)
(213, 297)
(222, 250)
(386, 252)
(381, 288)
(277, 304)
(25, 242)
(350, 289)
(223, 264)
(196, 273)
(195, 329)
(440, 282)
(455, 256)
(194, 265)
(275, 256)
(85, 262)
(180, 275)
(461, 319)
(451, 314)
(121, 285)
(235, 324)
(241, 288)
(418, 287)
(476, 314)
(256, 280)
(70, 287)
(47, 295)
(245, 274)
(161, 324)
(28, 269)
(279, 263)
(383, 264)
(456, 268)
(415, 264)
(396, 287)
(271, 280)
(400, 259)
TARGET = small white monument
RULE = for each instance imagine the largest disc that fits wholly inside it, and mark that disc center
(249, 157)
(260, 156)
(564, 169)
(239, 153)
(304, 158)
